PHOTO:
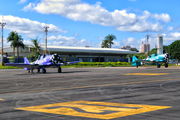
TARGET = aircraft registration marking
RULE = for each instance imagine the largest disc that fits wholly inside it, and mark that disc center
(146, 74)
(98, 110)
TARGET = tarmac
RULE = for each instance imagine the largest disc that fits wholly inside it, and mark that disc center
(116, 93)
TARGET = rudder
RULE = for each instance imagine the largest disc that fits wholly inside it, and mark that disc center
(26, 61)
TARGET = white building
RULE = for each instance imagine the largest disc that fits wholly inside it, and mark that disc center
(76, 53)
(160, 45)
(143, 48)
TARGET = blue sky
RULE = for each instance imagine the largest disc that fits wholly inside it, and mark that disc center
(80, 23)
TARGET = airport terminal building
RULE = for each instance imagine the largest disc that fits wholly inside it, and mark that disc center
(86, 54)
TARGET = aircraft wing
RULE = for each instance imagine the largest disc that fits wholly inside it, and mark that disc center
(22, 65)
(68, 63)
(38, 65)
(146, 61)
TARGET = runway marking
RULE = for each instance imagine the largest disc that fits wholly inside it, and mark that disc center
(99, 110)
(93, 86)
(146, 74)
(1, 99)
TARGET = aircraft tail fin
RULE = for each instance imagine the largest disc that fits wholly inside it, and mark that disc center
(26, 61)
(134, 59)
(134, 63)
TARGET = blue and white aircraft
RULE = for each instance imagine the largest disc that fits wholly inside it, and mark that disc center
(42, 62)
(154, 59)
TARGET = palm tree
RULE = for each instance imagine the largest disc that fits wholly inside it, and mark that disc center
(16, 42)
(35, 46)
(110, 39)
(104, 44)
(10, 39)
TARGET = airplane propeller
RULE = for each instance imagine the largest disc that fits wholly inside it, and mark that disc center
(56, 58)
(167, 57)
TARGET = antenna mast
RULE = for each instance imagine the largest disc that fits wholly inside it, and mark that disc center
(2, 24)
(46, 30)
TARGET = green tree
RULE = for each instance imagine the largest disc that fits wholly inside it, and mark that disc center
(16, 42)
(134, 49)
(35, 46)
(104, 44)
(165, 49)
(110, 39)
(35, 49)
(174, 50)
(11, 38)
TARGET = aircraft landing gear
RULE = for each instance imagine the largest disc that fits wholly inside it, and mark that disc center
(38, 70)
(43, 70)
(31, 71)
(59, 69)
(158, 65)
(166, 65)
(136, 66)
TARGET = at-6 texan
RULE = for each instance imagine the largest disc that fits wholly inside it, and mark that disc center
(154, 59)
(42, 62)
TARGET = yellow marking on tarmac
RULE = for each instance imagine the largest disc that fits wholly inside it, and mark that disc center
(146, 74)
(1, 99)
(95, 86)
(98, 110)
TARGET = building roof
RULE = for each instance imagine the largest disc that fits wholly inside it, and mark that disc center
(87, 50)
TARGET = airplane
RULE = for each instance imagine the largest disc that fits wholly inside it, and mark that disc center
(42, 62)
(154, 59)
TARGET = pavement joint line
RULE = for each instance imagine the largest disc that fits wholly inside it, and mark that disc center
(92, 86)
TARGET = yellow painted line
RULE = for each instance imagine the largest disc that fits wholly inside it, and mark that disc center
(96, 86)
(1, 99)
(146, 74)
(94, 109)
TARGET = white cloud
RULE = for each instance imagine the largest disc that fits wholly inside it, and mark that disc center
(22, 1)
(176, 35)
(162, 17)
(70, 41)
(28, 27)
(76, 34)
(28, 7)
(170, 28)
(95, 14)
(101, 38)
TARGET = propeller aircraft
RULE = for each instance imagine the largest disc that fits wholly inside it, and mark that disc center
(43, 62)
(154, 59)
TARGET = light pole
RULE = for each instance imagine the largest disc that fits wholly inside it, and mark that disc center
(46, 27)
(2, 24)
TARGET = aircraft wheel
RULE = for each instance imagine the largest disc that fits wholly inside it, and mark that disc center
(38, 70)
(59, 70)
(166, 65)
(158, 65)
(136, 66)
(28, 71)
(44, 70)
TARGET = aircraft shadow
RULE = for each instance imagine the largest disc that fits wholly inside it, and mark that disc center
(50, 73)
